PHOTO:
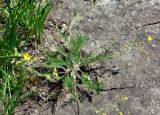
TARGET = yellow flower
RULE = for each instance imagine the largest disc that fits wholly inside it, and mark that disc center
(55, 73)
(97, 111)
(124, 98)
(26, 56)
(18, 62)
(149, 38)
(103, 113)
(120, 113)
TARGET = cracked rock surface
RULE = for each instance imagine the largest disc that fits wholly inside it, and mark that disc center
(122, 25)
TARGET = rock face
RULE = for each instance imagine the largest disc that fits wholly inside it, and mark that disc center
(122, 25)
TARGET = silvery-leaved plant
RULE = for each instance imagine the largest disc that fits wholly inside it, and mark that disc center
(70, 61)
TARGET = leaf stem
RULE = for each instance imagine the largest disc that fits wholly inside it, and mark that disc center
(10, 56)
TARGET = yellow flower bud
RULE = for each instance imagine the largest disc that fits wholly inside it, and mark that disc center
(103, 113)
(55, 73)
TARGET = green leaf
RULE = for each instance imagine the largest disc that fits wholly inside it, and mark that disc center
(68, 83)
(57, 58)
(86, 80)
(89, 84)
(56, 62)
(99, 58)
(76, 45)
(77, 42)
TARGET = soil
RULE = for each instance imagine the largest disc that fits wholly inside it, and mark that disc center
(132, 78)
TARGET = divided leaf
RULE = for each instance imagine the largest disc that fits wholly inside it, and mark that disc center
(55, 62)
(77, 42)
(75, 45)
(99, 58)
(89, 84)
(56, 59)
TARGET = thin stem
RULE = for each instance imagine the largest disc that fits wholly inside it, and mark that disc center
(77, 107)
(9, 89)
(11, 56)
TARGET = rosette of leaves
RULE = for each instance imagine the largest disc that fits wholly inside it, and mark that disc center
(70, 61)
